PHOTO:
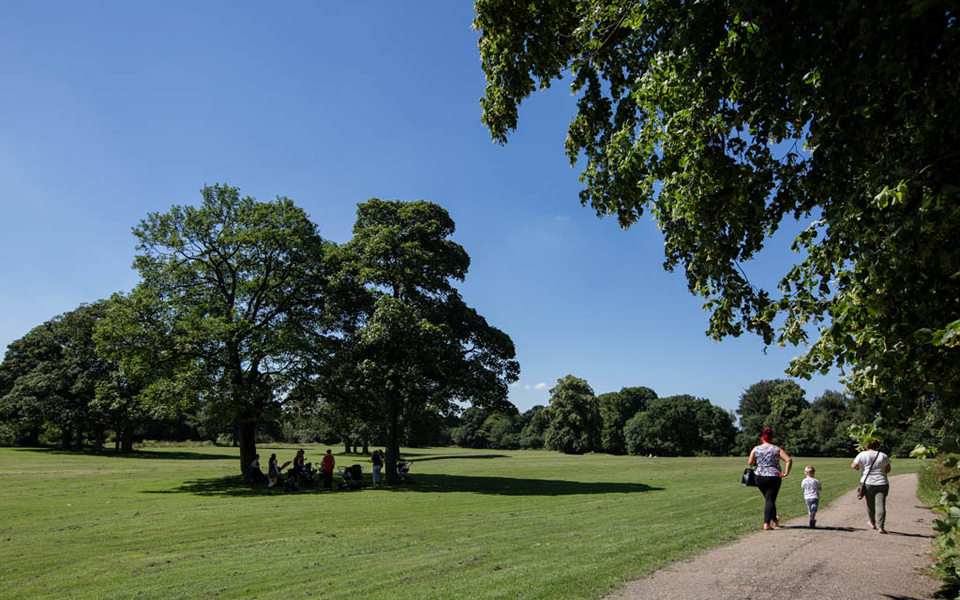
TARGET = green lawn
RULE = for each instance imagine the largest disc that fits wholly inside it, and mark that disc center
(176, 523)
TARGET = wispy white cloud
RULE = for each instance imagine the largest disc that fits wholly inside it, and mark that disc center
(528, 387)
(540, 386)
(561, 219)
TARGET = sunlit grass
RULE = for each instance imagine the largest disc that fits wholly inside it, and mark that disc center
(178, 523)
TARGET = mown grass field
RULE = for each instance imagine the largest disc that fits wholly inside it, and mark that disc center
(177, 523)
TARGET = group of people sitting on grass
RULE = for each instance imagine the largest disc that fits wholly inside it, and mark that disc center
(301, 472)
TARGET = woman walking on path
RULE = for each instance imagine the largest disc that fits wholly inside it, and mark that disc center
(766, 457)
(875, 466)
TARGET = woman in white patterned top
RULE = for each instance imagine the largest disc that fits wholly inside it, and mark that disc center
(766, 457)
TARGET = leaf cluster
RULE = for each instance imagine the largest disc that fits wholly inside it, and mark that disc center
(726, 119)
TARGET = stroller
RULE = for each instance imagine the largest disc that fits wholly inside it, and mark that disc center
(308, 476)
(403, 469)
(351, 478)
(300, 479)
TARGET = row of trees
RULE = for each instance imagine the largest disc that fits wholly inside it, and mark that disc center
(822, 427)
(244, 313)
(636, 421)
(56, 383)
(633, 420)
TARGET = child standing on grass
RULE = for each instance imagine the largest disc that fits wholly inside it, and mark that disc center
(811, 493)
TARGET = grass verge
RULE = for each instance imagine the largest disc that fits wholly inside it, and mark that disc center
(478, 524)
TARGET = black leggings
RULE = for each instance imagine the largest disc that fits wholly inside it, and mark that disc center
(769, 487)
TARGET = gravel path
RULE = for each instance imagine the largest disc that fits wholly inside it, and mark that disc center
(841, 559)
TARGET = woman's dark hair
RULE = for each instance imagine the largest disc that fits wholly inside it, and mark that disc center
(873, 444)
(767, 435)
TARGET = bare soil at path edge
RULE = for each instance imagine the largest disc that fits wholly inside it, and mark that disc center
(843, 558)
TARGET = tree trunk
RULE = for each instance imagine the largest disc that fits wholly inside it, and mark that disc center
(393, 441)
(67, 438)
(32, 438)
(247, 434)
(127, 438)
(78, 440)
(346, 445)
(366, 447)
(99, 438)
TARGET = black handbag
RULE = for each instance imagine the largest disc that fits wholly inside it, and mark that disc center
(749, 477)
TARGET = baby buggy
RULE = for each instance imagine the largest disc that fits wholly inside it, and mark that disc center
(308, 476)
(403, 469)
(351, 478)
(302, 478)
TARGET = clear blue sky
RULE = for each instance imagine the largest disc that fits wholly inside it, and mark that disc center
(112, 110)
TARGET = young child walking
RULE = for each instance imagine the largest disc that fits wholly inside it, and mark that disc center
(811, 493)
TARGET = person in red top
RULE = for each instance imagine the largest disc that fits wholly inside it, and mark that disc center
(326, 469)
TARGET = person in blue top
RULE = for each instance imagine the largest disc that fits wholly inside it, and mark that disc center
(766, 457)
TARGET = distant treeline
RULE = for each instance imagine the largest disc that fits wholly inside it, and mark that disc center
(636, 421)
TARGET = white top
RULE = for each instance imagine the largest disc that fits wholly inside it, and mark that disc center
(811, 488)
(877, 474)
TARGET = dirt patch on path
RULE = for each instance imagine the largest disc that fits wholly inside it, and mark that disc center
(841, 559)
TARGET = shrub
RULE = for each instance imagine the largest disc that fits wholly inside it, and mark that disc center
(943, 475)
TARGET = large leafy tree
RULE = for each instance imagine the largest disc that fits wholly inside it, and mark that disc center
(774, 403)
(616, 408)
(229, 310)
(536, 423)
(573, 417)
(754, 407)
(680, 426)
(51, 376)
(726, 119)
(415, 344)
(469, 432)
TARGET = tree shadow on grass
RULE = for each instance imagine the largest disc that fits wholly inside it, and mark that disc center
(235, 485)
(427, 457)
(141, 454)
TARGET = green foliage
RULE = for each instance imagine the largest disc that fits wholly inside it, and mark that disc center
(411, 344)
(865, 433)
(573, 417)
(944, 471)
(756, 408)
(680, 426)
(500, 432)
(469, 431)
(230, 310)
(616, 408)
(51, 376)
(727, 120)
(531, 434)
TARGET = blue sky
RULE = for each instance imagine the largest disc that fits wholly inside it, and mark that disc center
(112, 110)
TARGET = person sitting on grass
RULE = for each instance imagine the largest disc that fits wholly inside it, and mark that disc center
(811, 493)
(256, 475)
